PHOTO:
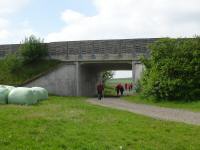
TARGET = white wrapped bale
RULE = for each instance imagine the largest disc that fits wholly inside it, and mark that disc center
(4, 95)
(40, 93)
(22, 96)
(10, 88)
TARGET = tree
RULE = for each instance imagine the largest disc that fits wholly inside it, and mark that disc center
(173, 70)
(32, 49)
(106, 75)
(11, 63)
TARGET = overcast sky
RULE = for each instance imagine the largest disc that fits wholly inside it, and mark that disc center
(63, 20)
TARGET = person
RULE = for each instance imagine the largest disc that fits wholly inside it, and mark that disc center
(131, 85)
(126, 86)
(121, 90)
(100, 89)
(118, 88)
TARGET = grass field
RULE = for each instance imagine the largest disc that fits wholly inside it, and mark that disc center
(119, 80)
(110, 91)
(112, 83)
(26, 72)
(193, 106)
(73, 124)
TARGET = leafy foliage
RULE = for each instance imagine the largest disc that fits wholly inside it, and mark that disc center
(26, 63)
(173, 71)
(24, 72)
(138, 87)
(107, 75)
(33, 49)
(11, 63)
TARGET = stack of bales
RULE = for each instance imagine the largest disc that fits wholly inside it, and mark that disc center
(3, 95)
(22, 95)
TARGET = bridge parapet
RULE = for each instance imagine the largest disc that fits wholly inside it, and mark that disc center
(120, 49)
(126, 49)
(8, 48)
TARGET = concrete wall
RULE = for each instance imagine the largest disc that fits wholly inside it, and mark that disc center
(76, 79)
(119, 49)
(69, 80)
(61, 81)
(89, 78)
(8, 48)
(138, 71)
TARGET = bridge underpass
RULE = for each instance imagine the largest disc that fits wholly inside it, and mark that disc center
(83, 61)
(90, 74)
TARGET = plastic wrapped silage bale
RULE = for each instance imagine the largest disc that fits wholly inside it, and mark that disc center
(22, 95)
(4, 95)
(40, 93)
(10, 88)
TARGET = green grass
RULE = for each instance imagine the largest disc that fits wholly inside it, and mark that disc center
(26, 72)
(119, 80)
(193, 106)
(112, 83)
(109, 90)
(73, 124)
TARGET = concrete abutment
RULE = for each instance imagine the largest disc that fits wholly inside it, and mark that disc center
(81, 78)
(85, 60)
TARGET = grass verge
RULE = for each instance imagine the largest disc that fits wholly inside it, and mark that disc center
(192, 106)
(26, 72)
(73, 124)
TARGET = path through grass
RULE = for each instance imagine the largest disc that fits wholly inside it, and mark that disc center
(73, 124)
(192, 106)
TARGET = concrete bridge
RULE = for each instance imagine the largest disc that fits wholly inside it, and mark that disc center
(85, 60)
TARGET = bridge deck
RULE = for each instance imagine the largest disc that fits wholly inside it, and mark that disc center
(120, 49)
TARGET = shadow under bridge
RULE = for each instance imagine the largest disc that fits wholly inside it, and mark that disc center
(90, 74)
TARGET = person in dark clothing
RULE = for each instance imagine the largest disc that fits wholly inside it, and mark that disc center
(126, 86)
(118, 89)
(100, 89)
(121, 90)
(131, 86)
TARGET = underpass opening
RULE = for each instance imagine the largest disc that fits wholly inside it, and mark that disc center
(122, 82)
(91, 75)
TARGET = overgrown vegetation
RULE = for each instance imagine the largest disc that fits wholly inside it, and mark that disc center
(33, 49)
(106, 75)
(25, 71)
(173, 71)
(72, 123)
(10, 64)
(26, 63)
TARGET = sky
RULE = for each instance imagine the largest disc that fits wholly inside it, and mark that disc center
(66, 20)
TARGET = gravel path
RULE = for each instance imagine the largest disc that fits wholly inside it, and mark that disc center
(151, 111)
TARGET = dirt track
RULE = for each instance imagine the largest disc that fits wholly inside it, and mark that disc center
(151, 111)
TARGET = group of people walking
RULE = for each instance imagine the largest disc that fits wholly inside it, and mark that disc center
(128, 86)
(119, 89)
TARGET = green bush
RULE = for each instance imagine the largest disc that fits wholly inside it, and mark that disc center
(11, 63)
(173, 71)
(138, 87)
(33, 49)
